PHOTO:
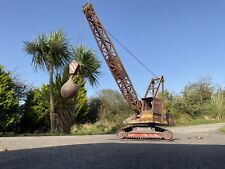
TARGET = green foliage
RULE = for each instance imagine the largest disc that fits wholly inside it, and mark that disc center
(107, 110)
(88, 64)
(77, 107)
(9, 103)
(21, 89)
(81, 106)
(64, 108)
(100, 127)
(88, 70)
(198, 103)
(50, 53)
(94, 109)
(36, 111)
(53, 53)
(198, 92)
(194, 100)
(167, 98)
(217, 105)
(113, 106)
(36, 115)
(49, 50)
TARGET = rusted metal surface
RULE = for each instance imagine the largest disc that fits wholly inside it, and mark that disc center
(154, 86)
(73, 67)
(112, 58)
(69, 89)
(144, 132)
(149, 110)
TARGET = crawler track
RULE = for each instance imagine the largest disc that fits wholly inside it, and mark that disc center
(143, 132)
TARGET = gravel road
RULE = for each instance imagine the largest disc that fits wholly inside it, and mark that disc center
(201, 146)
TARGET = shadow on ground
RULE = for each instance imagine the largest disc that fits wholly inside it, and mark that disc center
(116, 156)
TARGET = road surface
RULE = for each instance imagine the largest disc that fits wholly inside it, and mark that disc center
(200, 146)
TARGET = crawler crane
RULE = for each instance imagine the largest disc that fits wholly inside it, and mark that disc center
(149, 112)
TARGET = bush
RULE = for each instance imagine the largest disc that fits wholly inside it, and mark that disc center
(100, 127)
(9, 102)
(217, 105)
(107, 112)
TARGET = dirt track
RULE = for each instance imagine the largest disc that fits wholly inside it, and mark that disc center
(199, 134)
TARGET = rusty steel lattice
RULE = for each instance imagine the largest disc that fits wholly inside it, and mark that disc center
(112, 59)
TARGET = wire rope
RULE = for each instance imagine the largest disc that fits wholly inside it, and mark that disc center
(134, 56)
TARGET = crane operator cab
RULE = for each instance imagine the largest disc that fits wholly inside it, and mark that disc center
(153, 111)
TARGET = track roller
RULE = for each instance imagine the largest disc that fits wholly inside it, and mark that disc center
(167, 135)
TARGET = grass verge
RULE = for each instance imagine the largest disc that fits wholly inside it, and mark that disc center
(197, 121)
(100, 127)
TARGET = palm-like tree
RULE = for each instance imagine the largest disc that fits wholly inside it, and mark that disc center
(49, 53)
(70, 109)
(88, 64)
(63, 107)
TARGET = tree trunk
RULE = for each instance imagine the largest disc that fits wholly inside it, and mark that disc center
(51, 100)
(64, 120)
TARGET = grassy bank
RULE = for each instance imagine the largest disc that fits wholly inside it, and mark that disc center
(198, 121)
(100, 127)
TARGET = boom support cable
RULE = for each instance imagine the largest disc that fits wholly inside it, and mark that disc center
(135, 57)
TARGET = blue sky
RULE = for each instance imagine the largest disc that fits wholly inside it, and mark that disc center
(182, 40)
